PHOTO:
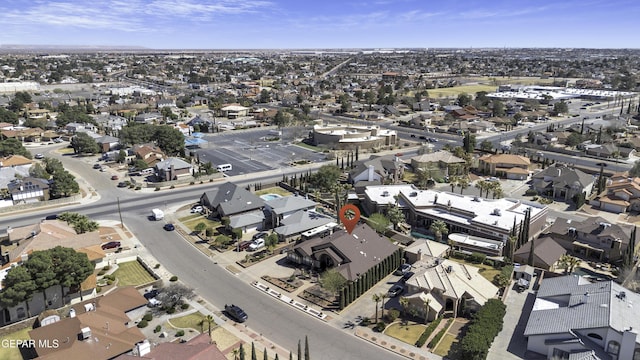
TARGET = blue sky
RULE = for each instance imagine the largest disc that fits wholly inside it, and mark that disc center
(273, 24)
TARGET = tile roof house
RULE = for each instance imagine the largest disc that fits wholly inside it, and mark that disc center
(448, 287)
(230, 199)
(150, 154)
(173, 169)
(96, 329)
(444, 161)
(622, 194)
(573, 318)
(198, 348)
(379, 168)
(562, 182)
(546, 253)
(595, 237)
(499, 164)
(351, 254)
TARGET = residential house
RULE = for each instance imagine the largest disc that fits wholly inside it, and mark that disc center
(546, 253)
(149, 153)
(503, 164)
(488, 218)
(442, 163)
(112, 122)
(470, 244)
(148, 118)
(573, 318)
(447, 287)
(351, 254)
(97, 329)
(304, 224)
(622, 194)
(28, 190)
(73, 127)
(593, 237)
(425, 252)
(198, 348)
(609, 151)
(562, 182)
(161, 103)
(380, 169)
(282, 207)
(230, 199)
(235, 111)
(173, 169)
(108, 143)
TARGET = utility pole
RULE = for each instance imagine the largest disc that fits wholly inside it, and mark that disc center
(120, 214)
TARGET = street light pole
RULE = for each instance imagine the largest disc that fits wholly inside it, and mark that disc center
(120, 213)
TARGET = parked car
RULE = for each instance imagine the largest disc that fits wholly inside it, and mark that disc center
(406, 276)
(114, 177)
(97, 166)
(51, 217)
(395, 290)
(236, 313)
(423, 138)
(413, 135)
(153, 302)
(169, 227)
(150, 294)
(403, 269)
(197, 209)
(39, 156)
(244, 245)
(122, 184)
(256, 244)
(260, 235)
(111, 245)
(57, 140)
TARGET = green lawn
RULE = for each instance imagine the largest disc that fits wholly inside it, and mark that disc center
(457, 90)
(193, 221)
(13, 353)
(445, 345)
(310, 147)
(132, 273)
(191, 321)
(488, 272)
(408, 334)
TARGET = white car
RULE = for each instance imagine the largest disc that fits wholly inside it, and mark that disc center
(39, 156)
(197, 209)
(256, 244)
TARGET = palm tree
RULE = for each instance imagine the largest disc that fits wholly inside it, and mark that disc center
(209, 320)
(497, 191)
(463, 183)
(453, 182)
(404, 302)
(480, 185)
(236, 354)
(439, 228)
(383, 296)
(569, 262)
(376, 298)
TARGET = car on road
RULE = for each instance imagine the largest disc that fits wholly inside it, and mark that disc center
(151, 294)
(423, 138)
(111, 245)
(122, 184)
(169, 227)
(403, 269)
(39, 156)
(97, 166)
(197, 209)
(51, 217)
(432, 139)
(395, 290)
(114, 177)
(57, 140)
(236, 313)
(413, 135)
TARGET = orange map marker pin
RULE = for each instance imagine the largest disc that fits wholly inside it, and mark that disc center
(349, 215)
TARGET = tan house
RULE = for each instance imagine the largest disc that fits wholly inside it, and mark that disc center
(502, 164)
(622, 194)
(150, 154)
(443, 161)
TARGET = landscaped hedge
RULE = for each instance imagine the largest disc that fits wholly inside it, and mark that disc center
(427, 332)
(484, 327)
(439, 335)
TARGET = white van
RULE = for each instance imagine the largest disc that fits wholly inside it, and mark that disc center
(224, 167)
(147, 171)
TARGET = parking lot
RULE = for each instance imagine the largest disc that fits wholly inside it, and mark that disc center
(249, 151)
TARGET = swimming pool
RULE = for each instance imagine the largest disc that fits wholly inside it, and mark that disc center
(267, 197)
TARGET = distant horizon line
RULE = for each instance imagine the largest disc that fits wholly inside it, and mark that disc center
(6, 47)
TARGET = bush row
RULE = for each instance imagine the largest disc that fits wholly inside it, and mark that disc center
(427, 332)
(439, 335)
(484, 327)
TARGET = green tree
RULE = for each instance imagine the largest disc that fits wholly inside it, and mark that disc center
(463, 183)
(37, 170)
(42, 271)
(464, 99)
(498, 108)
(170, 140)
(264, 96)
(560, 108)
(122, 156)
(71, 267)
(63, 185)
(486, 145)
(306, 348)
(469, 142)
(439, 228)
(17, 286)
(13, 146)
(376, 298)
(8, 116)
(253, 351)
(332, 280)
(271, 241)
(379, 222)
(82, 143)
(573, 140)
(326, 177)
(200, 227)
(404, 303)
(395, 215)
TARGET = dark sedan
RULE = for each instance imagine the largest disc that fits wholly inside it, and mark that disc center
(236, 313)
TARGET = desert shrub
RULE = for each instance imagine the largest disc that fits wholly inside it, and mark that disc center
(157, 188)
(530, 192)
(393, 314)
(184, 306)
(172, 187)
(147, 317)
(439, 335)
(173, 278)
(427, 332)
(379, 326)
(170, 310)
(143, 324)
(179, 333)
(157, 266)
(477, 258)
(157, 329)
